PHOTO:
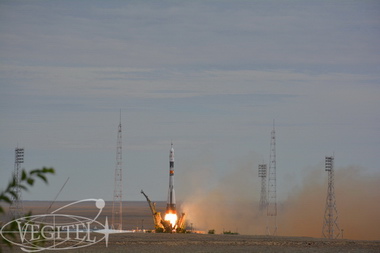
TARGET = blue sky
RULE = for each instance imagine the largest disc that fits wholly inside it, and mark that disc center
(208, 75)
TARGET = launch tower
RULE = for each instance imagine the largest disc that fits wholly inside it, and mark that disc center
(330, 228)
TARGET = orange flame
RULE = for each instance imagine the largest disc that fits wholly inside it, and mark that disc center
(172, 218)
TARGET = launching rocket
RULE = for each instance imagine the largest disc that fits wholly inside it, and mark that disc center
(170, 207)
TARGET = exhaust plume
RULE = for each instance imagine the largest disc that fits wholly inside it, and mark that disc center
(232, 204)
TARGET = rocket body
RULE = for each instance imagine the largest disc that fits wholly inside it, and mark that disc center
(170, 207)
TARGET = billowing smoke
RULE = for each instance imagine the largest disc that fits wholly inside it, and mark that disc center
(232, 203)
(226, 205)
(357, 194)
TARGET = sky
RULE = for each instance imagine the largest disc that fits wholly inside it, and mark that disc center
(209, 76)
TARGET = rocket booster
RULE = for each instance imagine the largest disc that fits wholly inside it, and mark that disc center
(170, 207)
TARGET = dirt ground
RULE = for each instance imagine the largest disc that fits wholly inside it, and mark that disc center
(138, 215)
(228, 243)
(147, 242)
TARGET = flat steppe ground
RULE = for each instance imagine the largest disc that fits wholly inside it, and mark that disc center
(149, 242)
(137, 214)
(227, 243)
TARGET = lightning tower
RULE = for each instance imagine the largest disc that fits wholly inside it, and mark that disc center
(16, 208)
(117, 208)
(330, 228)
(272, 202)
(263, 194)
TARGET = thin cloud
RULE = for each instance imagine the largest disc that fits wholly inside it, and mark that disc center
(206, 74)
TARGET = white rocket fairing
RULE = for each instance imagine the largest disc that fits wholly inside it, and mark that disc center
(170, 207)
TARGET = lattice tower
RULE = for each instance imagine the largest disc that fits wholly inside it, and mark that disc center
(263, 193)
(117, 207)
(330, 228)
(16, 208)
(272, 202)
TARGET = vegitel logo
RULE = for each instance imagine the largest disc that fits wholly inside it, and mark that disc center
(56, 231)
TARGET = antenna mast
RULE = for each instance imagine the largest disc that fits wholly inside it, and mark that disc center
(117, 208)
(16, 208)
(272, 202)
(330, 228)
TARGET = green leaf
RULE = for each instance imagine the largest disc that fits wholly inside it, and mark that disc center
(23, 187)
(12, 183)
(42, 177)
(6, 199)
(9, 194)
(13, 193)
(23, 175)
(48, 170)
(30, 181)
(34, 171)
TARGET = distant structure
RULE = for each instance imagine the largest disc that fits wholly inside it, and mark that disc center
(272, 202)
(263, 194)
(117, 207)
(16, 208)
(330, 228)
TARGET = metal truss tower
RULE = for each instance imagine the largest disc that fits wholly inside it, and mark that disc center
(330, 228)
(272, 202)
(117, 208)
(16, 208)
(263, 194)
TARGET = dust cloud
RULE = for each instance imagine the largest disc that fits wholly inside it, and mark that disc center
(231, 204)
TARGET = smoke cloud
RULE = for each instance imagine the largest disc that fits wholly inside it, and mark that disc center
(232, 203)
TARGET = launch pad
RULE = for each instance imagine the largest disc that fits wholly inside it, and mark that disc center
(162, 225)
(171, 222)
